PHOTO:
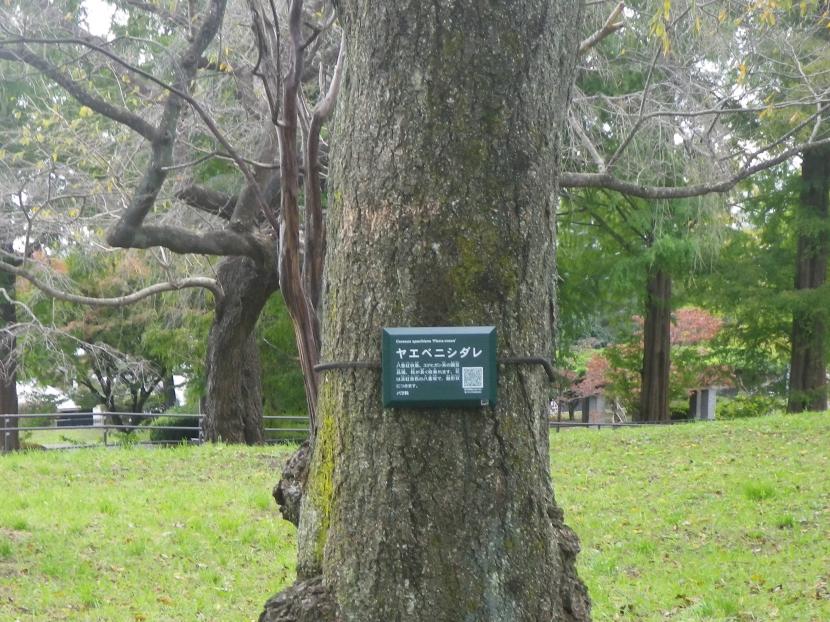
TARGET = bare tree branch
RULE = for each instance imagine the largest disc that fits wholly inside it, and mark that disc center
(219, 243)
(178, 18)
(315, 228)
(316, 30)
(120, 115)
(606, 180)
(265, 186)
(583, 137)
(130, 231)
(221, 156)
(267, 68)
(54, 15)
(610, 26)
(188, 63)
(641, 118)
(207, 200)
(296, 297)
(118, 301)
(817, 116)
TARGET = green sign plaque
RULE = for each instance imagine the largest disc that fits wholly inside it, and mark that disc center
(439, 366)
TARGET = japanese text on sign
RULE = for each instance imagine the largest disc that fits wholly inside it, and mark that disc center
(439, 366)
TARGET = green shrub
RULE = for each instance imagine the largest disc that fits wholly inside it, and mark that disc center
(679, 410)
(743, 406)
(174, 436)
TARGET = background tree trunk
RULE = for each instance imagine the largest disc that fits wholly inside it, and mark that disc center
(233, 406)
(442, 213)
(654, 395)
(808, 357)
(8, 365)
(169, 390)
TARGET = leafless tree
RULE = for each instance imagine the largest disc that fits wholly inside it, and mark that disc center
(195, 117)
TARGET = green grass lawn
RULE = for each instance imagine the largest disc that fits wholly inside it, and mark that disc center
(720, 521)
(136, 534)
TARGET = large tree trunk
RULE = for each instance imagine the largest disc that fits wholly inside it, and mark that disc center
(233, 406)
(9, 441)
(808, 357)
(442, 213)
(654, 395)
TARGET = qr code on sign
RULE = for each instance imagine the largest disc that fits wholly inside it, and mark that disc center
(472, 377)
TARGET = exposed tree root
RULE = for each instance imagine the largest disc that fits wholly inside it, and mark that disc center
(307, 600)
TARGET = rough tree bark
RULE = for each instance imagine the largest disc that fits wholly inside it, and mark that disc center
(654, 395)
(233, 406)
(169, 390)
(9, 441)
(808, 357)
(442, 213)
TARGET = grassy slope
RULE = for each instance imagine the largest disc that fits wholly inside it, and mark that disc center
(723, 521)
(134, 534)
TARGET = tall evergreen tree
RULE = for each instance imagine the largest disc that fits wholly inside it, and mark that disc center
(808, 359)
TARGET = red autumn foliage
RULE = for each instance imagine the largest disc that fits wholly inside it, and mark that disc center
(693, 325)
(690, 326)
(596, 377)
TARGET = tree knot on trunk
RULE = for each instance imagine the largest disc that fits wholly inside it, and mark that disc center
(308, 600)
(288, 492)
(568, 541)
